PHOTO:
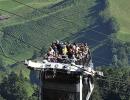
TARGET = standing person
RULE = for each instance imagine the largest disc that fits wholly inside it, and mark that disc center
(55, 53)
(70, 53)
(81, 53)
(59, 48)
(50, 54)
(89, 58)
(57, 45)
(86, 48)
(67, 45)
(64, 50)
(84, 53)
(54, 47)
(77, 48)
(51, 51)
(74, 48)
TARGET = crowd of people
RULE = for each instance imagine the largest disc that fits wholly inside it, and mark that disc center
(79, 53)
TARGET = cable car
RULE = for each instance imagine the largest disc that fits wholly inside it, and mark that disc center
(63, 77)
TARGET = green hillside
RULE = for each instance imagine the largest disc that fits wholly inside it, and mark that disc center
(120, 10)
(34, 24)
(68, 20)
(22, 10)
(41, 30)
(11, 5)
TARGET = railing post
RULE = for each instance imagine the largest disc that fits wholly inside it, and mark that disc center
(81, 87)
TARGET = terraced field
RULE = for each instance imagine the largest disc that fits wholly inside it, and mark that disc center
(48, 20)
(41, 30)
(22, 10)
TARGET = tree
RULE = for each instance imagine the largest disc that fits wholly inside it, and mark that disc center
(114, 60)
(2, 65)
(35, 95)
(113, 25)
(119, 53)
(1, 98)
(21, 77)
(12, 88)
(96, 93)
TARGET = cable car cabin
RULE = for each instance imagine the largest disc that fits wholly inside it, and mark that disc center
(59, 81)
(60, 85)
(66, 74)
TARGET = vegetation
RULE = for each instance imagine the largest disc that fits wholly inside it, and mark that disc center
(47, 28)
(115, 85)
(120, 10)
(103, 24)
(16, 87)
(120, 53)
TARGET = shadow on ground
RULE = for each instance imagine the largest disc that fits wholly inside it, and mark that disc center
(97, 33)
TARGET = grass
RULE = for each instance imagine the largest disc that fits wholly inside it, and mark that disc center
(10, 5)
(13, 21)
(120, 9)
(21, 10)
(42, 31)
(64, 22)
(7, 61)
